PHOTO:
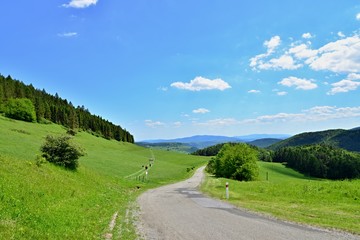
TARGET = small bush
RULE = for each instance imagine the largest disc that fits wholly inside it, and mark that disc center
(21, 109)
(61, 151)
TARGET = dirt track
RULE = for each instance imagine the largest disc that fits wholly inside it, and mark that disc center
(179, 211)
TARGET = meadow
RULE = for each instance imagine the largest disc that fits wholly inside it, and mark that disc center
(286, 194)
(42, 201)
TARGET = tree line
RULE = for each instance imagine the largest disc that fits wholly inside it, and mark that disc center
(322, 161)
(50, 108)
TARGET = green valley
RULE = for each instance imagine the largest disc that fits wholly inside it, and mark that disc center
(42, 201)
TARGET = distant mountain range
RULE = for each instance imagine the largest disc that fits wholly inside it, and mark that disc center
(203, 141)
(346, 139)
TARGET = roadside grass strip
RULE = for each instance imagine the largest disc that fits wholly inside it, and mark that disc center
(286, 194)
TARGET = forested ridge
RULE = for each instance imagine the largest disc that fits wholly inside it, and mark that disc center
(322, 161)
(60, 111)
(346, 139)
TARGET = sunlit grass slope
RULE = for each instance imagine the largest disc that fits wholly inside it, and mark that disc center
(291, 196)
(48, 202)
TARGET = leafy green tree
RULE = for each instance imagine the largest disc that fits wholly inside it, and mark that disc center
(20, 109)
(61, 151)
(236, 161)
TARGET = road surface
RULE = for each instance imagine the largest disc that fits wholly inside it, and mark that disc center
(180, 211)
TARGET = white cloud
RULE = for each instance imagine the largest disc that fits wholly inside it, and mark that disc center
(201, 110)
(317, 113)
(220, 122)
(307, 35)
(262, 61)
(272, 44)
(281, 93)
(345, 85)
(341, 34)
(68, 34)
(283, 62)
(303, 51)
(358, 16)
(154, 124)
(254, 91)
(340, 56)
(80, 3)
(200, 83)
(279, 117)
(298, 83)
(322, 113)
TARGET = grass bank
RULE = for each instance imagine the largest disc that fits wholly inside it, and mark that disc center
(48, 202)
(291, 196)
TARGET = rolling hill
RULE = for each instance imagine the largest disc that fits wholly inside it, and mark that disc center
(41, 201)
(203, 141)
(347, 139)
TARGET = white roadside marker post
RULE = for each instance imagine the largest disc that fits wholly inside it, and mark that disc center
(227, 190)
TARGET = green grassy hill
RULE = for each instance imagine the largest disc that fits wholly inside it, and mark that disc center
(48, 202)
(286, 194)
(347, 139)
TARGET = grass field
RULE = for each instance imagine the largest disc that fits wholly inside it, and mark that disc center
(48, 202)
(291, 196)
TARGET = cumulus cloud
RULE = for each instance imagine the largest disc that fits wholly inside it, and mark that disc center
(298, 83)
(307, 35)
(340, 56)
(265, 62)
(348, 84)
(201, 110)
(272, 44)
(303, 51)
(200, 83)
(80, 3)
(254, 91)
(68, 34)
(284, 62)
(154, 124)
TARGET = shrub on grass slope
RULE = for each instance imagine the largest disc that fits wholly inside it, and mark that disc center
(61, 151)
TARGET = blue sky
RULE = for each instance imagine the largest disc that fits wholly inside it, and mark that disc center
(170, 68)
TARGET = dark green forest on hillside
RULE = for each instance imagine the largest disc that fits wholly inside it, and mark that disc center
(322, 161)
(49, 108)
(346, 139)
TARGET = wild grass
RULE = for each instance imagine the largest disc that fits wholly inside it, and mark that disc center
(291, 196)
(49, 202)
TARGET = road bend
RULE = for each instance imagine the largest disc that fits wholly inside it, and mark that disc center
(180, 211)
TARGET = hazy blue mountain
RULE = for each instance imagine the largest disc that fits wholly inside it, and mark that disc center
(202, 141)
(264, 142)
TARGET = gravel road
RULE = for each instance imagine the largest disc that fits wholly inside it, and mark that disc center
(180, 211)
